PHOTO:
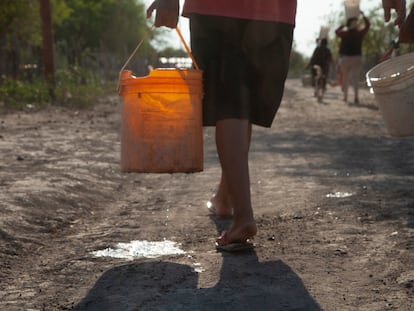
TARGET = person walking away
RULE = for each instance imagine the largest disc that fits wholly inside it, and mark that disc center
(243, 48)
(350, 53)
(319, 65)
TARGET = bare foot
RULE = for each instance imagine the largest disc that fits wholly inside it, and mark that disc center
(221, 208)
(239, 234)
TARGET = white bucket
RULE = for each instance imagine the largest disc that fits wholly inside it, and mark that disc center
(351, 8)
(392, 83)
(323, 33)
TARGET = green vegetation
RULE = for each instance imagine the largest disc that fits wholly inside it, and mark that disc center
(92, 40)
(20, 94)
(297, 64)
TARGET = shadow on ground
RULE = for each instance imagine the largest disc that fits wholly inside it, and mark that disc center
(170, 286)
(378, 170)
(244, 284)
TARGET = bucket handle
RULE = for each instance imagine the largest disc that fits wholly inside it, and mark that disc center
(187, 49)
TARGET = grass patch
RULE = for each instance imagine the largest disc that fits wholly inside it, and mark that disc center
(20, 94)
(74, 87)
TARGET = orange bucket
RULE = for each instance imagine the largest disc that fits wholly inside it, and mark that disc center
(161, 128)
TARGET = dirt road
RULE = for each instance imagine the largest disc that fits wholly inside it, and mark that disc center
(333, 197)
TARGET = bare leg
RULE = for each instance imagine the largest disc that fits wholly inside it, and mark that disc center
(355, 85)
(357, 73)
(346, 77)
(222, 202)
(233, 142)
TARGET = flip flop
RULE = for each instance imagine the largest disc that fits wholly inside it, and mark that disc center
(230, 247)
(235, 247)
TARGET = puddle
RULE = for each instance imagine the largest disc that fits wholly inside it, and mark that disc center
(339, 195)
(140, 249)
(198, 268)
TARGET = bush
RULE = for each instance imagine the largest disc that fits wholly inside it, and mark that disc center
(20, 94)
(77, 87)
(74, 87)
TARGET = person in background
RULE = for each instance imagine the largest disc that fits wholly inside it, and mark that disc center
(243, 48)
(350, 53)
(322, 57)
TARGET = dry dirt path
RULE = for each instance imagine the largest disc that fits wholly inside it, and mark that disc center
(333, 197)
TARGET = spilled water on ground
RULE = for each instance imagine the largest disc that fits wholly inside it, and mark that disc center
(140, 249)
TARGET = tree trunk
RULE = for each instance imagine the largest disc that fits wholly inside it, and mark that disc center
(47, 34)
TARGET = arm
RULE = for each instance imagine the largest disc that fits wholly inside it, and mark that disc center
(340, 31)
(398, 6)
(167, 12)
(367, 24)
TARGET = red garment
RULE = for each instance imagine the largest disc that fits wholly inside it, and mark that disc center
(266, 10)
(351, 39)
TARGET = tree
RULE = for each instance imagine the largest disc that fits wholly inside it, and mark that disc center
(297, 63)
(91, 35)
(112, 25)
(19, 34)
(47, 43)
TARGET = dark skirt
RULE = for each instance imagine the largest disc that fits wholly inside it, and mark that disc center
(245, 65)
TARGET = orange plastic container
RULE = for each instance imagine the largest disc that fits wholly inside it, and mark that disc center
(161, 121)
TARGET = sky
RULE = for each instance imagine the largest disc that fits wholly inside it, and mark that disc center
(311, 15)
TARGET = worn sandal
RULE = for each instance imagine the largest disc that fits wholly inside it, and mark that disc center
(222, 244)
